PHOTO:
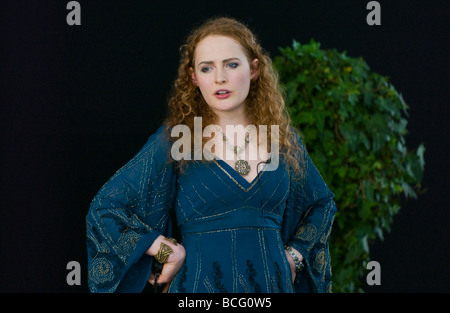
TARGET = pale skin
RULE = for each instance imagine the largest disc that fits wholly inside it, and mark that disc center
(220, 63)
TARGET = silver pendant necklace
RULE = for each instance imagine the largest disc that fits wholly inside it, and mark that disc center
(241, 166)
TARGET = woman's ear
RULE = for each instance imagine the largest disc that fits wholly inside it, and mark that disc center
(254, 70)
(194, 79)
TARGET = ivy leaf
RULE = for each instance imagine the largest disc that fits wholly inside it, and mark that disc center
(420, 153)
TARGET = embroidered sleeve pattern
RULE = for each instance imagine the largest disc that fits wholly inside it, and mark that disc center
(308, 223)
(125, 217)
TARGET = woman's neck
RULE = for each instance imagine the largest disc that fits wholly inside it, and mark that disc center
(232, 118)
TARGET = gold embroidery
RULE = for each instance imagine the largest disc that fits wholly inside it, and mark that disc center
(319, 262)
(235, 181)
(329, 288)
(128, 241)
(307, 232)
(101, 270)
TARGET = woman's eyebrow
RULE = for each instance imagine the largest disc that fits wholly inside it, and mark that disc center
(224, 61)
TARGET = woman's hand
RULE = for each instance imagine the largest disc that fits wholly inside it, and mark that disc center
(292, 263)
(173, 264)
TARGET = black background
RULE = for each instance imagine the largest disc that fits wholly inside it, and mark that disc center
(79, 101)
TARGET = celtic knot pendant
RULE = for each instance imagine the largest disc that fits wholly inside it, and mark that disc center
(242, 167)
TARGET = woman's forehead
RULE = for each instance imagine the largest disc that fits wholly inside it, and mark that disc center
(218, 48)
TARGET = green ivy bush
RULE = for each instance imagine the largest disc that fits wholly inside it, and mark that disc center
(353, 123)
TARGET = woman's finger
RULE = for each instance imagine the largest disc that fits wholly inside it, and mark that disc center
(167, 274)
(151, 279)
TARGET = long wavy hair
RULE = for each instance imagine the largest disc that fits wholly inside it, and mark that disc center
(265, 103)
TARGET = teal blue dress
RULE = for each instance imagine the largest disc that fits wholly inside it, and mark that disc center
(234, 231)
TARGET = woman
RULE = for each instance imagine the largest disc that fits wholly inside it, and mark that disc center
(244, 224)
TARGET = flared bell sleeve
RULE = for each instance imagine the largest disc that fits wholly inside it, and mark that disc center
(307, 224)
(128, 213)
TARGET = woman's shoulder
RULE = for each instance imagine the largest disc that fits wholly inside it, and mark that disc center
(160, 137)
(296, 135)
(157, 147)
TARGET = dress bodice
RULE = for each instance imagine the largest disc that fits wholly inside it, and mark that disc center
(231, 230)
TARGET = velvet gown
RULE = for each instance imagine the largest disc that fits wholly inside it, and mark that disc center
(234, 231)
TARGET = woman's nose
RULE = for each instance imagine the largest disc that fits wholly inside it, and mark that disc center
(220, 77)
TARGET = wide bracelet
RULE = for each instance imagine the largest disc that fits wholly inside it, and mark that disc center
(164, 251)
(298, 264)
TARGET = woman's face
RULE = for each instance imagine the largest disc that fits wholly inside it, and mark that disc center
(223, 73)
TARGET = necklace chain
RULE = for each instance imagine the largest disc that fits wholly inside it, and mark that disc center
(236, 149)
(241, 166)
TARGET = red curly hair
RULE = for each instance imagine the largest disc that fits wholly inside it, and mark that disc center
(265, 103)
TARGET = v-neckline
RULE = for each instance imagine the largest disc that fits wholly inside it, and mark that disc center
(236, 177)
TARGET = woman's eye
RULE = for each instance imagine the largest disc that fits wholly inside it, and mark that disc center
(205, 69)
(233, 65)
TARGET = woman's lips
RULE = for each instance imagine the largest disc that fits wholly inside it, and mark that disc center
(222, 94)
